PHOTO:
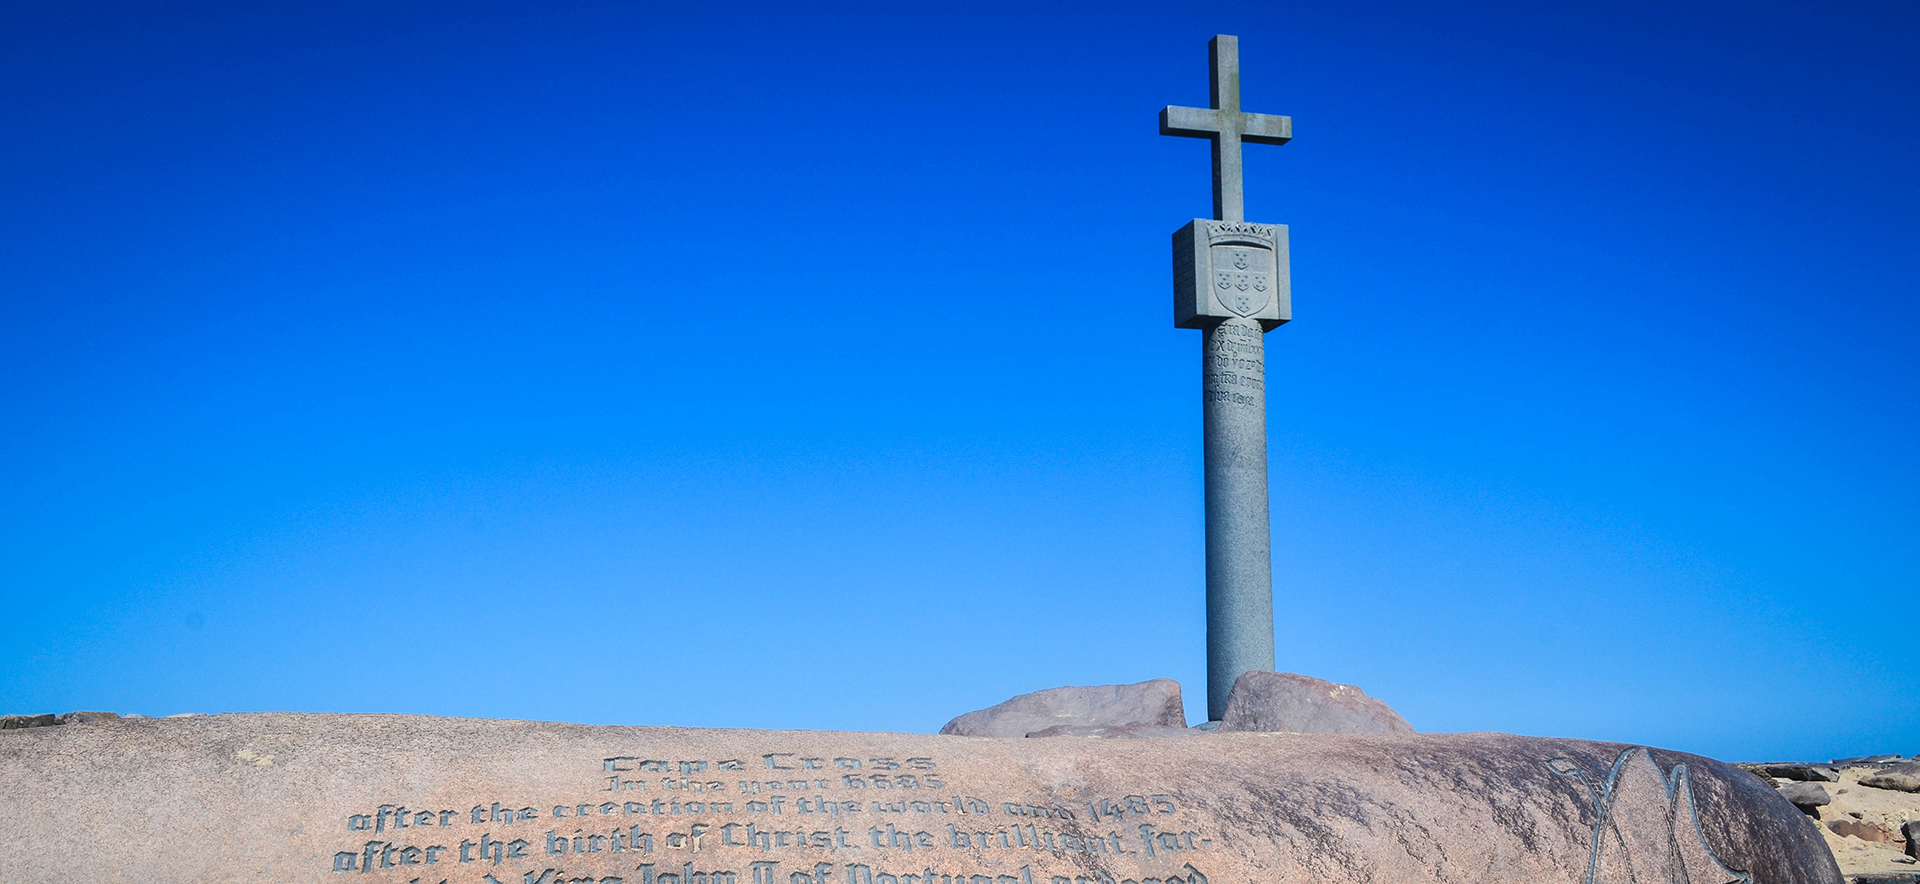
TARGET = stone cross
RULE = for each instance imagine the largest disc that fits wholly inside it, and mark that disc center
(1226, 126)
(1231, 281)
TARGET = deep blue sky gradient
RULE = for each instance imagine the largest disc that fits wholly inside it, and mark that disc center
(813, 366)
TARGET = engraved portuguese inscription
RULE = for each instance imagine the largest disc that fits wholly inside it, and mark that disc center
(776, 818)
(1236, 371)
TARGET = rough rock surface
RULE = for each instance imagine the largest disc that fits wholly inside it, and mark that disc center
(389, 799)
(1812, 773)
(1285, 702)
(1903, 777)
(17, 722)
(1153, 703)
(1870, 830)
(1130, 732)
(1805, 795)
(87, 717)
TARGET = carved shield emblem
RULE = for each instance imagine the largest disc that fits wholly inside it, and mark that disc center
(1242, 278)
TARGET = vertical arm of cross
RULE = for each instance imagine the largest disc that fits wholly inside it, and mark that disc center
(1229, 194)
(1227, 127)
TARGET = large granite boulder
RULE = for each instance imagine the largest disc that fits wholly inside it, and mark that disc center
(16, 722)
(1810, 773)
(1904, 777)
(1127, 732)
(1301, 704)
(1806, 795)
(1071, 710)
(390, 799)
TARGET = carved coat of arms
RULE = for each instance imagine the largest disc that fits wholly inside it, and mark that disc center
(1242, 278)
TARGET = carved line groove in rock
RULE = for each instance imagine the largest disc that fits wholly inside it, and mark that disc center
(1678, 802)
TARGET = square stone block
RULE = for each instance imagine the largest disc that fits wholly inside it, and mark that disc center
(1227, 269)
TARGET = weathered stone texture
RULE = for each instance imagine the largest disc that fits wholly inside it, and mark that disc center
(1805, 795)
(1290, 703)
(317, 798)
(1153, 703)
(17, 722)
(1131, 732)
(1821, 773)
(1902, 777)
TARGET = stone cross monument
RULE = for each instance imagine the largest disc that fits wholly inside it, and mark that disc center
(1230, 280)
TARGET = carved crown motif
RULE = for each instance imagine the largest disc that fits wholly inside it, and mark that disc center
(1240, 231)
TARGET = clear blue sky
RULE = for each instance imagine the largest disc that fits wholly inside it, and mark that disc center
(813, 366)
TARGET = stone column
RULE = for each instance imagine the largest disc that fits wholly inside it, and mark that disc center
(1239, 556)
(1230, 278)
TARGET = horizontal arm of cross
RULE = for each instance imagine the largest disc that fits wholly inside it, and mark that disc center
(1201, 122)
